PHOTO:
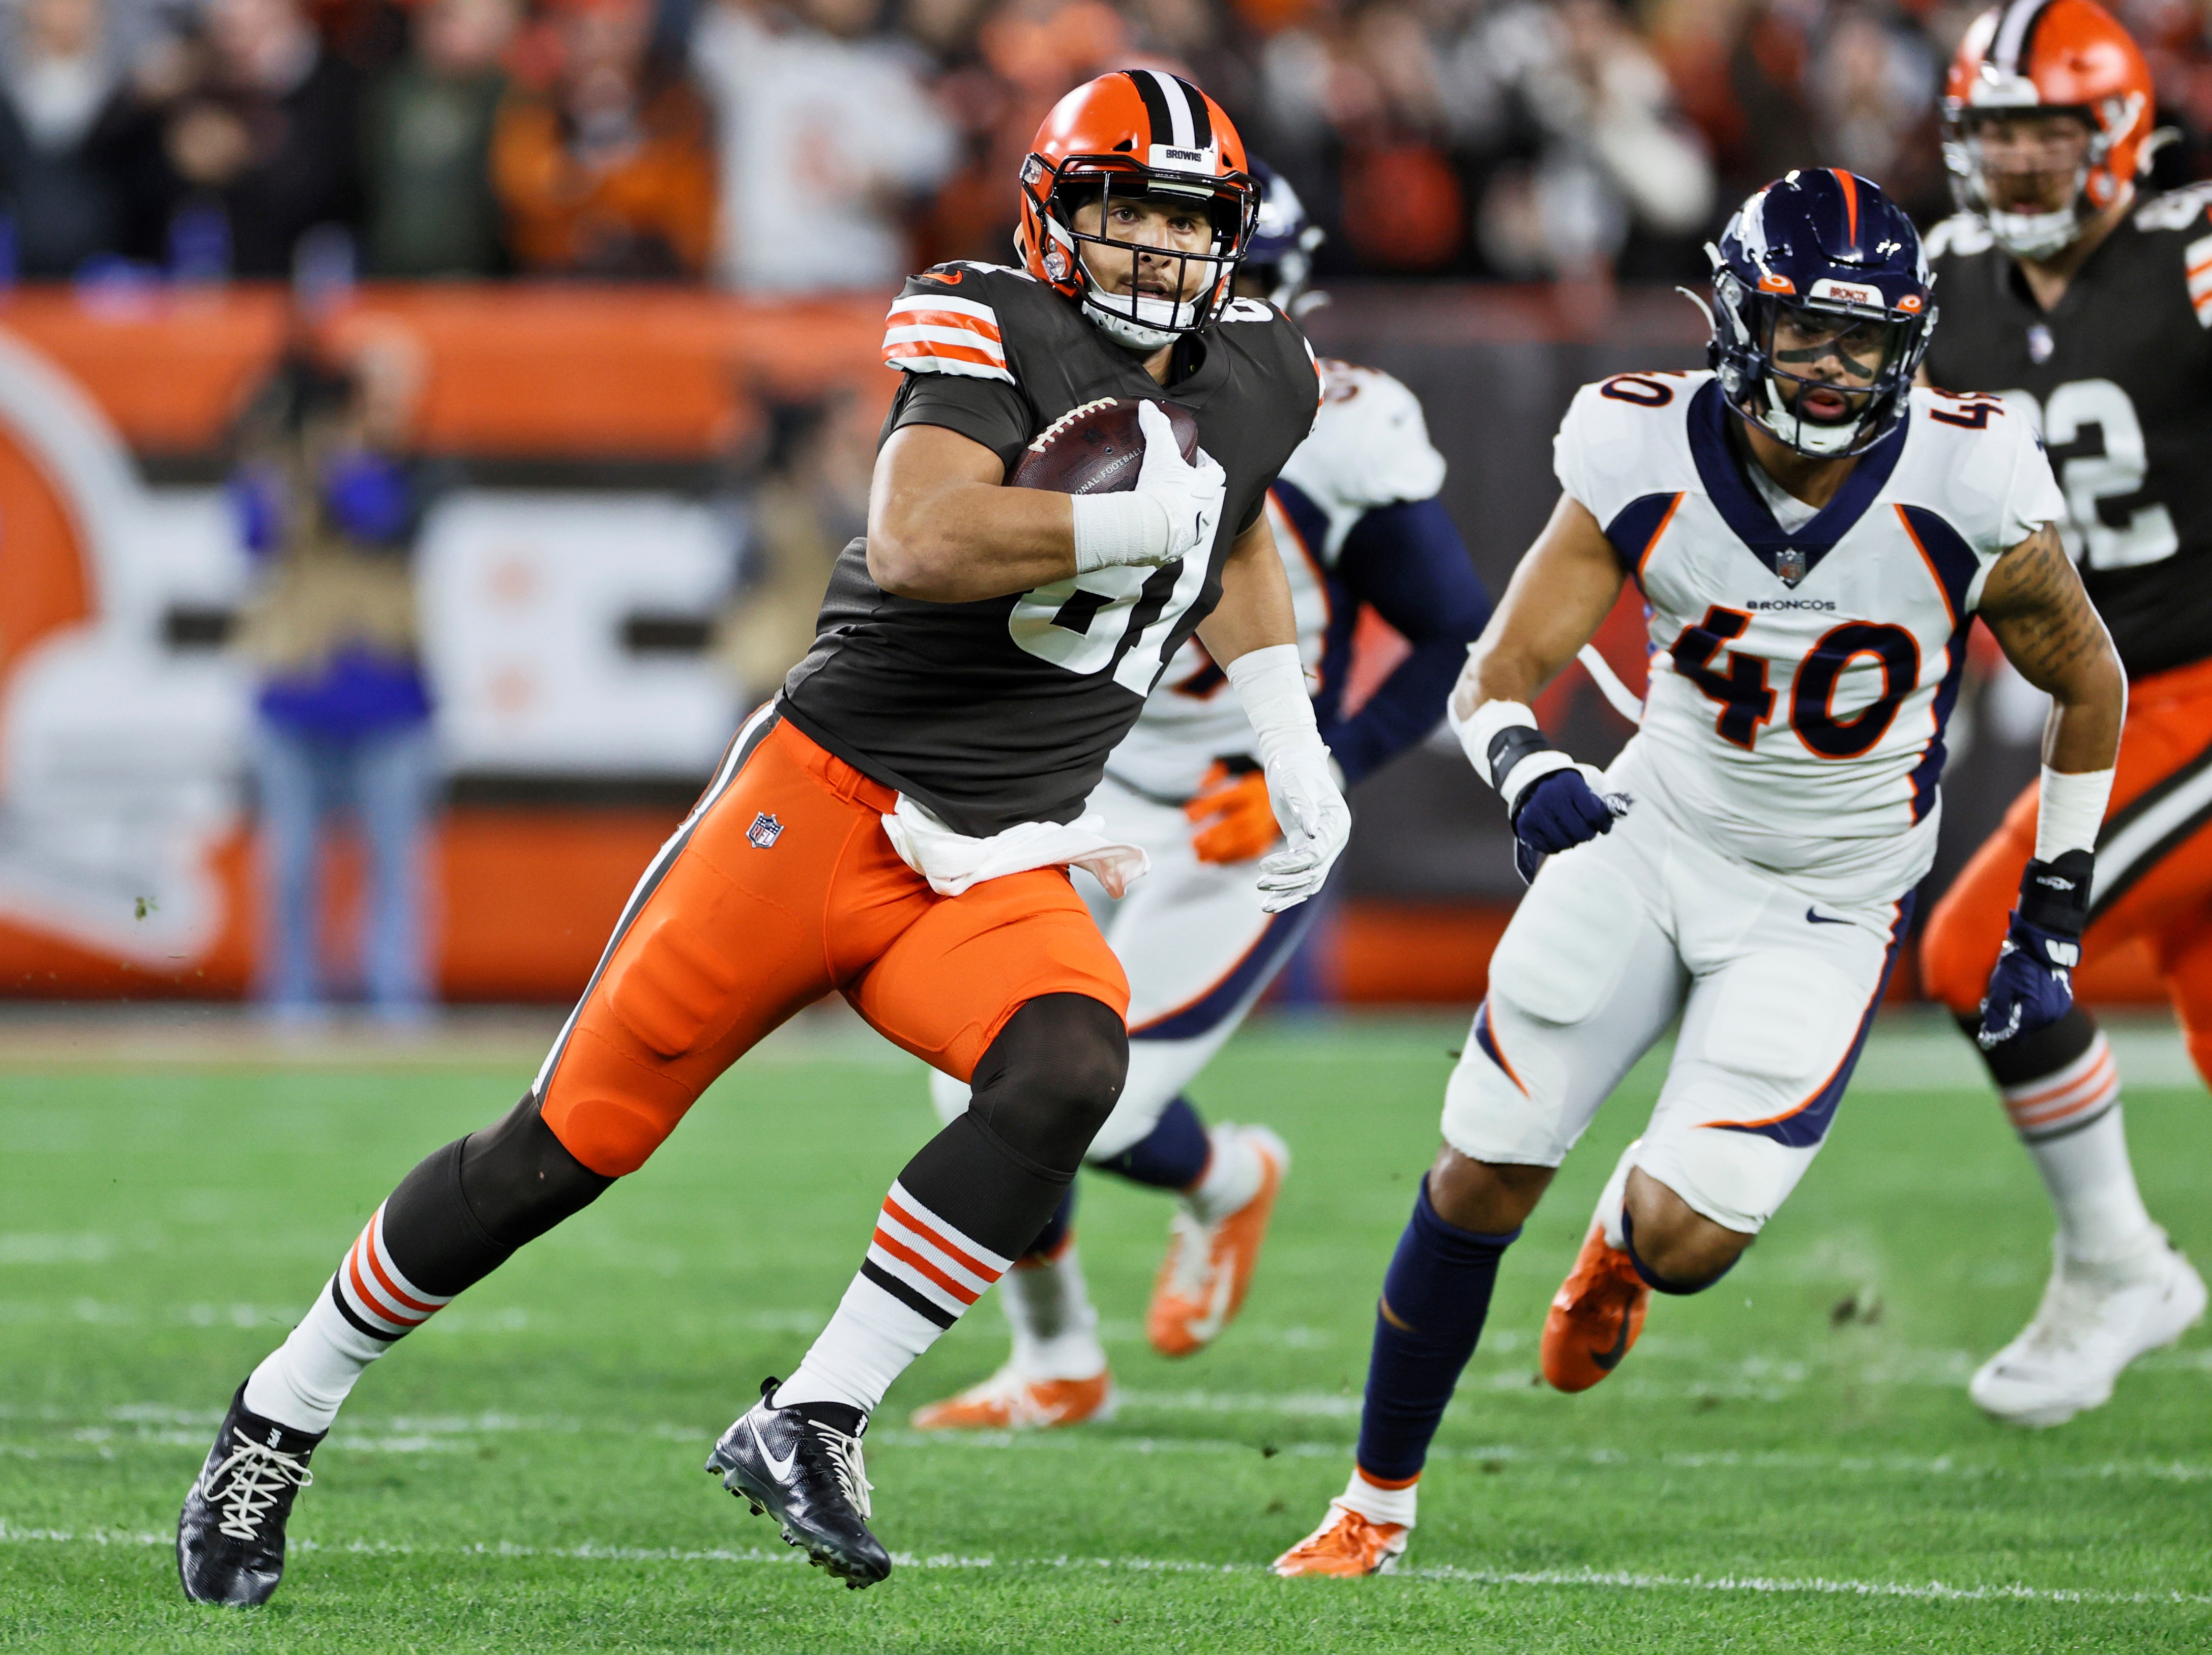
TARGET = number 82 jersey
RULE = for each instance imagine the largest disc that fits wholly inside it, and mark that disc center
(2117, 377)
(1803, 664)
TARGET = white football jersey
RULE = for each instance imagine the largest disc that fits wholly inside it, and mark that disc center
(1800, 681)
(1369, 447)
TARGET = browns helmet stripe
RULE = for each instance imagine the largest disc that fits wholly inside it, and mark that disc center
(1174, 108)
(2016, 42)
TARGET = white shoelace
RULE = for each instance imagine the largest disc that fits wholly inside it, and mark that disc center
(258, 1474)
(846, 1460)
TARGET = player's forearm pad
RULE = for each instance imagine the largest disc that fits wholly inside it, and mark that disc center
(1115, 529)
(1507, 750)
(2069, 809)
(1271, 683)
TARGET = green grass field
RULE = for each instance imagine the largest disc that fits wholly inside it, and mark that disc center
(1788, 1462)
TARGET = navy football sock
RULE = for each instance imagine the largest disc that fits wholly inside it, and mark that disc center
(1435, 1299)
(1172, 1155)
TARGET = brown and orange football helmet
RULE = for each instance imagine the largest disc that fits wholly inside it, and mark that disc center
(2059, 56)
(1137, 132)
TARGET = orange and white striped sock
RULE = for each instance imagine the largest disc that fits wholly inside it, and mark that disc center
(920, 1275)
(364, 1307)
(2071, 1122)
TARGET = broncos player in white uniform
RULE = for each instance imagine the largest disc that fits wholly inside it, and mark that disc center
(1812, 537)
(1356, 518)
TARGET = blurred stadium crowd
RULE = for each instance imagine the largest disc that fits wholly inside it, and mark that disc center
(810, 145)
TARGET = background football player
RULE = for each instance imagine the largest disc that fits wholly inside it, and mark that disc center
(1357, 519)
(1812, 537)
(897, 824)
(2088, 310)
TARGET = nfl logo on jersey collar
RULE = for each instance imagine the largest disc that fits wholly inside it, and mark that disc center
(1790, 556)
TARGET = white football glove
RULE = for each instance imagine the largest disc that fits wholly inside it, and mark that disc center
(1315, 821)
(1175, 510)
(1302, 783)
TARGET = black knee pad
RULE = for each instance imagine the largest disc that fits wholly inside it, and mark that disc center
(457, 1217)
(1049, 1080)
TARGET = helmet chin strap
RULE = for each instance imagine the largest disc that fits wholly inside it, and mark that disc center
(2034, 236)
(1808, 437)
(1146, 324)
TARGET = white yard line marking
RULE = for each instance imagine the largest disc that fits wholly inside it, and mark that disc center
(142, 1425)
(1617, 1579)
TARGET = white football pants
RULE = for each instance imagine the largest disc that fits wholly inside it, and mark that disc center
(1613, 941)
(1198, 953)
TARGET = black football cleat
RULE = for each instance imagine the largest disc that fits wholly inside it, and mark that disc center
(802, 1466)
(230, 1536)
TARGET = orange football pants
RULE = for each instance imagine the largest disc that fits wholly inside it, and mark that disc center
(780, 887)
(2164, 883)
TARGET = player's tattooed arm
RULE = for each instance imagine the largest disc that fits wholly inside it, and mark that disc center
(1558, 597)
(942, 529)
(2044, 621)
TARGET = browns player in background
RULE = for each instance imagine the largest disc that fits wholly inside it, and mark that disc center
(2090, 310)
(897, 824)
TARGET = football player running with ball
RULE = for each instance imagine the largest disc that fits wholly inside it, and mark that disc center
(1357, 521)
(897, 824)
(2091, 312)
(1811, 536)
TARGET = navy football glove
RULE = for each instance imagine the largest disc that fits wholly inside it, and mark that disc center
(1557, 812)
(2032, 986)
(1548, 797)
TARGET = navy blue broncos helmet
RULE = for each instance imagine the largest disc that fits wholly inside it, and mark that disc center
(1283, 243)
(1826, 255)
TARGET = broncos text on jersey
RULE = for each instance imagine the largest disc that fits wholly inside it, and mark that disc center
(1370, 447)
(2117, 379)
(1003, 711)
(1801, 681)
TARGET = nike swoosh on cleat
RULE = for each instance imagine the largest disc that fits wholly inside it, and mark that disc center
(1610, 1360)
(780, 1469)
(1812, 918)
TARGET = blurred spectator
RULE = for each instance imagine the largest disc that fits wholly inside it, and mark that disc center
(811, 499)
(829, 145)
(427, 140)
(329, 502)
(62, 74)
(1876, 81)
(609, 172)
(1606, 155)
(246, 139)
(1022, 55)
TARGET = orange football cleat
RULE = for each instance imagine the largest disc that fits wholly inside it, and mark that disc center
(1201, 1283)
(1007, 1401)
(1595, 1318)
(1345, 1546)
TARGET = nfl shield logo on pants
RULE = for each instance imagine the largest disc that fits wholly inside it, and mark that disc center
(764, 831)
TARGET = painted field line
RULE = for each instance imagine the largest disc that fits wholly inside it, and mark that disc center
(1614, 1580)
(142, 1425)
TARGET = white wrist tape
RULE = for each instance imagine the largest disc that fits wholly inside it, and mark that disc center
(1271, 685)
(2069, 809)
(1477, 735)
(1112, 529)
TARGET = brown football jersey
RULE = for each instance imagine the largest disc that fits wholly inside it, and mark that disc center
(1004, 710)
(2117, 377)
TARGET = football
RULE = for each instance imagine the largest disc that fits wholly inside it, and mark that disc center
(1096, 448)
